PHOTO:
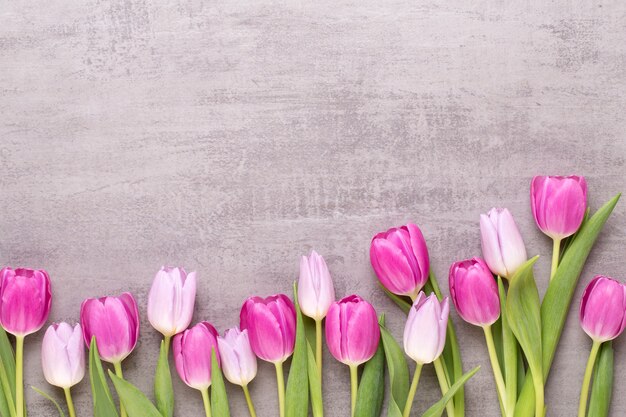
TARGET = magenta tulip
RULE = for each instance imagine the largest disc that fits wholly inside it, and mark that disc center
(558, 204)
(315, 287)
(425, 329)
(271, 325)
(352, 331)
(171, 300)
(26, 299)
(503, 246)
(474, 292)
(603, 309)
(114, 321)
(399, 257)
(63, 355)
(238, 360)
(192, 354)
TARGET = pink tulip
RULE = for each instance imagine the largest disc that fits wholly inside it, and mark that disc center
(26, 298)
(399, 257)
(63, 355)
(352, 331)
(171, 300)
(315, 287)
(558, 204)
(503, 246)
(425, 329)
(474, 292)
(603, 309)
(192, 354)
(271, 325)
(238, 360)
(114, 321)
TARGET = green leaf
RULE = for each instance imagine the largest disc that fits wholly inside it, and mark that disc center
(558, 298)
(403, 302)
(602, 386)
(437, 409)
(398, 373)
(219, 399)
(48, 397)
(509, 350)
(297, 392)
(163, 391)
(369, 400)
(315, 385)
(103, 405)
(134, 401)
(7, 376)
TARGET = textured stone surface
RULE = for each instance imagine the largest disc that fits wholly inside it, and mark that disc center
(232, 137)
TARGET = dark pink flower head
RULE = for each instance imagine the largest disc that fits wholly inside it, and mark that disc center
(26, 298)
(603, 309)
(114, 321)
(271, 325)
(399, 257)
(352, 331)
(192, 354)
(474, 292)
(558, 204)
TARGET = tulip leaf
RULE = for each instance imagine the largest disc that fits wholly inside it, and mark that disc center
(509, 349)
(403, 302)
(369, 400)
(7, 376)
(558, 298)
(297, 392)
(163, 391)
(315, 384)
(219, 399)
(437, 409)
(48, 397)
(398, 373)
(103, 405)
(602, 387)
(134, 401)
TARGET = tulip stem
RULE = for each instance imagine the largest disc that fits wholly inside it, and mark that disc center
(120, 374)
(19, 375)
(409, 400)
(556, 250)
(246, 393)
(354, 386)
(280, 383)
(584, 392)
(497, 371)
(318, 347)
(206, 400)
(70, 403)
(167, 342)
(443, 384)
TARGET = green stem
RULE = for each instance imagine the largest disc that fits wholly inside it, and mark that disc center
(280, 384)
(120, 374)
(584, 392)
(443, 384)
(246, 393)
(19, 375)
(167, 340)
(539, 394)
(318, 347)
(555, 256)
(409, 400)
(354, 386)
(497, 372)
(70, 403)
(206, 401)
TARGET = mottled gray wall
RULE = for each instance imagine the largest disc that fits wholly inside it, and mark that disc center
(232, 137)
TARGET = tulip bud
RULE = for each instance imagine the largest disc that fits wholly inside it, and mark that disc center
(26, 297)
(315, 287)
(425, 329)
(171, 300)
(558, 204)
(114, 321)
(63, 355)
(238, 360)
(352, 331)
(603, 309)
(192, 354)
(399, 257)
(271, 325)
(474, 292)
(503, 247)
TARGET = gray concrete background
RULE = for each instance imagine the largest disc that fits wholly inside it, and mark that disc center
(232, 137)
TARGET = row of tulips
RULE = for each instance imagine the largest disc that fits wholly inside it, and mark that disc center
(497, 292)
